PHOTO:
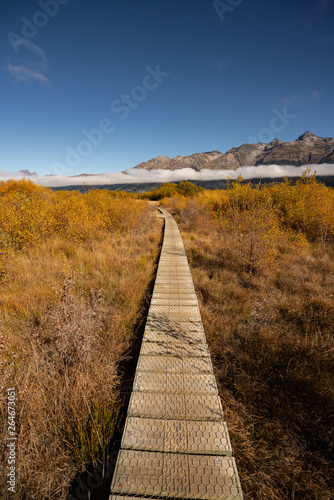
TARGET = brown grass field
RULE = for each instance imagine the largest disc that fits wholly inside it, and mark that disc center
(71, 297)
(75, 274)
(263, 267)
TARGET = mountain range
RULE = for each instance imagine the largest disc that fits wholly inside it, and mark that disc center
(306, 150)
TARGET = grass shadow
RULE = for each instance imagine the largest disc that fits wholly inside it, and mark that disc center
(94, 482)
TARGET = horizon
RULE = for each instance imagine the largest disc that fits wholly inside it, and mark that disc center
(171, 158)
(136, 176)
(105, 88)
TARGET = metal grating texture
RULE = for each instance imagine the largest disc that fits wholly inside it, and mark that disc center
(175, 442)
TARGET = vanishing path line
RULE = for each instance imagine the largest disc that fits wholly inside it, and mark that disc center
(175, 442)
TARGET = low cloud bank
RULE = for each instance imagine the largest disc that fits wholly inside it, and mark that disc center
(138, 176)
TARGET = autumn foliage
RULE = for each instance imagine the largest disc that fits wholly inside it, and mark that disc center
(29, 213)
(256, 221)
(262, 260)
(75, 271)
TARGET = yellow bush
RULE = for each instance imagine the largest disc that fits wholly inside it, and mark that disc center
(259, 221)
(307, 206)
(29, 213)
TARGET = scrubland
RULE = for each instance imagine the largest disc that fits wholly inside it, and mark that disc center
(262, 261)
(75, 270)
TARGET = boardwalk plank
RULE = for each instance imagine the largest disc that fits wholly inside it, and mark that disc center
(175, 442)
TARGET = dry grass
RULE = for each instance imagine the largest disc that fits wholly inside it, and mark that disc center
(68, 313)
(269, 325)
(75, 270)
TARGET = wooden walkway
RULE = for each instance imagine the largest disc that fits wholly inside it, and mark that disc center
(175, 442)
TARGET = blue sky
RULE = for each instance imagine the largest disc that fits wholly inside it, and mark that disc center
(158, 77)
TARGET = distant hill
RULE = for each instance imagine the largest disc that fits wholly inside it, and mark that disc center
(26, 172)
(306, 150)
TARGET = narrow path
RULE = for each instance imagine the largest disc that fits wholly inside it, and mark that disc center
(175, 442)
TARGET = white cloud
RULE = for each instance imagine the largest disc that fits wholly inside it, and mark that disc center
(315, 94)
(23, 74)
(27, 44)
(293, 100)
(137, 176)
(300, 101)
(219, 66)
(27, 70)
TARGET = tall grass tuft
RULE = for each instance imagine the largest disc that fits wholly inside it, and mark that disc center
(74, 282)
(262, 260)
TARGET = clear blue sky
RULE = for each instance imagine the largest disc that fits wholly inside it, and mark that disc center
(230, 74)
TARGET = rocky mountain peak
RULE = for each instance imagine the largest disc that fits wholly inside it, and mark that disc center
(213, 153)
(27, 172)
(274, 143)
(308, 136)
(307, 149)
